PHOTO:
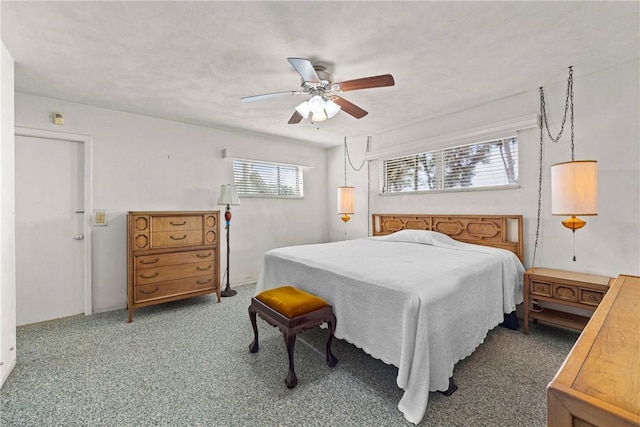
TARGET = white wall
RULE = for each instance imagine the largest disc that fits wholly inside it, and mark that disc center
(7, 219)
(142, 163)
(607, 108)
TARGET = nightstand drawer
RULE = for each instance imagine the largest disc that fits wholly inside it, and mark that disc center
(541, 288)
(591, 296)
(565, 292)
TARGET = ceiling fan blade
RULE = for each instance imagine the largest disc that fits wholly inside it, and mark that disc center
(349, 107)
(367, 82)
(268, 96)
(305, 69)
(296, 118)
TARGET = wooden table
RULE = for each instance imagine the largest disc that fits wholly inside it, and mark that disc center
(599, 382)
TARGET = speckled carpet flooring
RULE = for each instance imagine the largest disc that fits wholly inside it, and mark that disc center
(187, 364)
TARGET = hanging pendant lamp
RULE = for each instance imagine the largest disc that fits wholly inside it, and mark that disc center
(346, 194)
(574, 184)
(574, 191)
(346, 202)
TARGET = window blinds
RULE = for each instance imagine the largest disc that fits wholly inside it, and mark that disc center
(490, 164)
(267, 180)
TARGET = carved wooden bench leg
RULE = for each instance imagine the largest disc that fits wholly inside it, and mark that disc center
(290, 342)
(253, 348)
(331, 359)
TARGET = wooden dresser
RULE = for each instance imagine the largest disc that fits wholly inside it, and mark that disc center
(171, 256)
(599, 382)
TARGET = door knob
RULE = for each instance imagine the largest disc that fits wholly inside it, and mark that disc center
(79, 236)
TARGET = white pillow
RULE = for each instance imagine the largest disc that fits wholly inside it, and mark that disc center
(424, 237)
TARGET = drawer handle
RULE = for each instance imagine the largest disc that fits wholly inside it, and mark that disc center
(150, 292)
(203, 256)
(184, 236)
(203, 268)
(175, 223)
(200, 282)
(592, 297)
(149, 277)
(150, 262)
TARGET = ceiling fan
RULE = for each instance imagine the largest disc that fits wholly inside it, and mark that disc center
(324, 103)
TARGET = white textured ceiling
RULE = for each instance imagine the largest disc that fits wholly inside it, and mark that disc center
(193, 61)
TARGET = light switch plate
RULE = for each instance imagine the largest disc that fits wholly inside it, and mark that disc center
(58, 118)
(100, 218)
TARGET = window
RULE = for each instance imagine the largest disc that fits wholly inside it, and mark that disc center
(491, 164)
(267, 180)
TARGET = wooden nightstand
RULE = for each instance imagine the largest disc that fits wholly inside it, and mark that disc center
(568, 288)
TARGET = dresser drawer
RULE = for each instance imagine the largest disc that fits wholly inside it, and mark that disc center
(172, 239)
(591, 296)
(176, 223)
(174, 287)
(171, 272)
(160, 260)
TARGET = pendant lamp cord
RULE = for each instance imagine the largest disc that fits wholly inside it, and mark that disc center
(357, 169)
(347, 156)
(540, 162)
(346, 153)
(544, 124)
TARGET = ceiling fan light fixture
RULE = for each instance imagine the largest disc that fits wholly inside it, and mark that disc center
(304, 109)
(319, 117)
(316, 104)
(331, 108)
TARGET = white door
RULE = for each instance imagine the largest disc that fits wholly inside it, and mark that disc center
(49, 229)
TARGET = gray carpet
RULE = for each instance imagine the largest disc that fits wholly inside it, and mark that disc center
(187, 364)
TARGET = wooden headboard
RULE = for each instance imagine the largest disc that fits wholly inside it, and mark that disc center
(498, 231)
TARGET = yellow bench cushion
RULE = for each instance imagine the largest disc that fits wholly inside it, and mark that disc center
(291, 301)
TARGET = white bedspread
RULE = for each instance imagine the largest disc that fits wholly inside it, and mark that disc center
(416, 299)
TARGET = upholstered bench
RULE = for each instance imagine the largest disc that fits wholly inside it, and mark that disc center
(292, 311)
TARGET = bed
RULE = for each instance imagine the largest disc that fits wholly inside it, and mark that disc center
(421, 293)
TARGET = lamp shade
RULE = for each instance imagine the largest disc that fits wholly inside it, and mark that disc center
(331, 108)
(304, 109)
(228, 195)
(319, 117)
(346, 200)
(316, 104)
(574, 188)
